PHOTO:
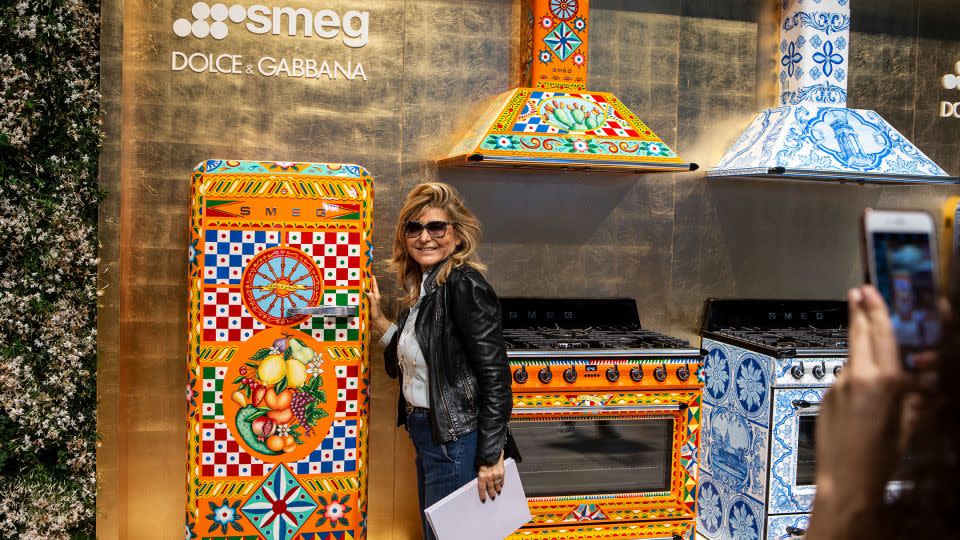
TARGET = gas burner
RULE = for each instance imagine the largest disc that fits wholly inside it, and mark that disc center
(560, 333)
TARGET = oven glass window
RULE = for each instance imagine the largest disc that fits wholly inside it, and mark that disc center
(806, 449)
(592, 456)
(807, 457)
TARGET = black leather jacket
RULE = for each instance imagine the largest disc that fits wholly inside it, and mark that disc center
(460, 334)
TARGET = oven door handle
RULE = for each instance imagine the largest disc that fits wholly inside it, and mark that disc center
(804, 404)
(608, 409)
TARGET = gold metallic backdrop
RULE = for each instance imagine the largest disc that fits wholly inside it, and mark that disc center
(695, 71)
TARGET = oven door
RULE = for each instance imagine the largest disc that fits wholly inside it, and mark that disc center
(793, 449)
(621, 457)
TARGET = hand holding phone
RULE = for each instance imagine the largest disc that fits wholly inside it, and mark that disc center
(900, 260)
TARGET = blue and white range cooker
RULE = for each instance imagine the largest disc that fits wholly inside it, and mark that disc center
(767, 367)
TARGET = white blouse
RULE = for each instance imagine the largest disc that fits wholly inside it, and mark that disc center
(412, 363)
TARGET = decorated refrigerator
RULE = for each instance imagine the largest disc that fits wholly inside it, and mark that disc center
(280, 255)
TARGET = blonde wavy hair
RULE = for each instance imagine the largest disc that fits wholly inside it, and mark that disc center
(466, 225)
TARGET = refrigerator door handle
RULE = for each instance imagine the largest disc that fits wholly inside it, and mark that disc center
(324, 311)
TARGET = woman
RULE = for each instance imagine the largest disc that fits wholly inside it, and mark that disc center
(875, 410)
(447, 344)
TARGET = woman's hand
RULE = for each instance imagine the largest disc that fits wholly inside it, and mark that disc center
(490, 480)
(858, 429)
(377, 318)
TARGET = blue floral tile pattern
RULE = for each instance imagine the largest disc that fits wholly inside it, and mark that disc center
(742, 522)
(710, 514)
(814, 39)
(716, 372)
(751, 386)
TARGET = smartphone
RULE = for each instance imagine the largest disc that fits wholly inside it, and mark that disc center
(900, 260)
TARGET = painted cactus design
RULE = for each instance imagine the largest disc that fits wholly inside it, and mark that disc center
(574, 116)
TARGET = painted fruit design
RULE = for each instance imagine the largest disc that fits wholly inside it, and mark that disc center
(279, 397)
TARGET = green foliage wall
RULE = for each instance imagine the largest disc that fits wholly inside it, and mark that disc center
(49, 144)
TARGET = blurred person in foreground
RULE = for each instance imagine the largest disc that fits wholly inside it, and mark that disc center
(870, 416)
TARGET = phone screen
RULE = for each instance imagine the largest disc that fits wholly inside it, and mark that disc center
(905, 279)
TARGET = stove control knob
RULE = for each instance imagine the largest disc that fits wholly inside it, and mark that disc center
(613, 374)
(819, 371)
(797, 371)
(837, 369)
(545, 375)
(570, 374)
(683, 373)
(520, 375)
(660, 373)
(636, 373)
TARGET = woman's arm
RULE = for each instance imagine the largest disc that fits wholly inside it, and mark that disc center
(378, 320)
(386, 328)
(476, 312)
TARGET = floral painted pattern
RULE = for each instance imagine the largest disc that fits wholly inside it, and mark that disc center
(742, 523)
(223, 516)
(828, 58)
(581, 146)
(503, 142)
(791, 59)
(751, 385)
(717, 373)
(333, 512)
(711, 508)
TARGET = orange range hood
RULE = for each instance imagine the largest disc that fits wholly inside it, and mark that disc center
(554, 121)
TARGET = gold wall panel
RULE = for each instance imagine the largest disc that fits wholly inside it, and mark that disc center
(695, 71)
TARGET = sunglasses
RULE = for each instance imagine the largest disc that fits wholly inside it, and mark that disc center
(436, 229)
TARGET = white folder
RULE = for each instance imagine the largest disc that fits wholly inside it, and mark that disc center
(461, 515)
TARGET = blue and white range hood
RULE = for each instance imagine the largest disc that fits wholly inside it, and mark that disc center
(813, 135)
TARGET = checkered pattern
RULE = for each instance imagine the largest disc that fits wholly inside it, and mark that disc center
(335, 328)
(336, 454)
(535, 124)
(348, 382)
(227, 252)
(220, 455)
(212, 392)
(613, 128)
(336, 253)
(225, 318)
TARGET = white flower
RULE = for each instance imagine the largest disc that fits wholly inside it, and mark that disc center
(751, 384)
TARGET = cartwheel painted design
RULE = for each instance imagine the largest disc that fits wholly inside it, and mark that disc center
(278, 401)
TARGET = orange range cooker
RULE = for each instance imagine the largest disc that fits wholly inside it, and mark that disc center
(606, 415)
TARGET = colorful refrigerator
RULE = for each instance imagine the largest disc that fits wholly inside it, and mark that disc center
(279, 257)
